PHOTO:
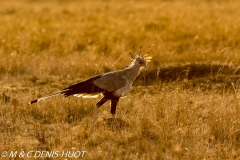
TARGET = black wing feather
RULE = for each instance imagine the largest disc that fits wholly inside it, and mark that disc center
(86, 86)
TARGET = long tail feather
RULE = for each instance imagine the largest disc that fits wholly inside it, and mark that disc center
(47, 96)
(85, 89)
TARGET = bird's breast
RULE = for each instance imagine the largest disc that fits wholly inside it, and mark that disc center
(121, 92)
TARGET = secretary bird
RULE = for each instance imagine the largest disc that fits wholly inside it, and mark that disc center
(112, 85)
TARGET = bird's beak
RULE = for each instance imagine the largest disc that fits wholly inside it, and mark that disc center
(143, 67)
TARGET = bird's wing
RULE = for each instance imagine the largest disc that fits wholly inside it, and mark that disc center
(110, 82)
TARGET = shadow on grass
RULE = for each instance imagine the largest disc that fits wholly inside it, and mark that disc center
(110, 122)
(195, 73)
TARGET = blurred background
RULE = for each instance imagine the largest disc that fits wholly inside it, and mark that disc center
(81, 38)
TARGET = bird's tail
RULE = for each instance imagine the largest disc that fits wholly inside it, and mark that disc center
(48, 96)
(81, 89)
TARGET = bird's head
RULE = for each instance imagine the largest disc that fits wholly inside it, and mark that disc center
(139, 61)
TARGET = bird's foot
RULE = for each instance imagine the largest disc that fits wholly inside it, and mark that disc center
(115, 120)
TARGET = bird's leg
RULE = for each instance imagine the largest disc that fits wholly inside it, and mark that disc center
(115, 119)
(114, 102)
(95, 116)
(99, 104)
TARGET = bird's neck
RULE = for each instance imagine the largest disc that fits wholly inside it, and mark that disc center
(133, 72)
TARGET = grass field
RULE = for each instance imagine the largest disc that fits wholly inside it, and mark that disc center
(184, 106)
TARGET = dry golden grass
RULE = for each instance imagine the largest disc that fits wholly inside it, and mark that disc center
(46, 46)
(156, 122)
